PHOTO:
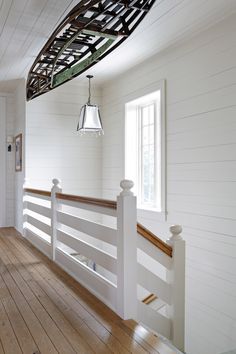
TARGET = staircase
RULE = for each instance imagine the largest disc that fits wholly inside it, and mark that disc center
(100, 244)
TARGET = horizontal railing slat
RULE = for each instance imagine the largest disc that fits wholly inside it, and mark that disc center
(90, 228)
(154, 252)
(95, 254)
(89, 207)
(154, 284)
(43, 244)
(39, 209)
(39, 224)
(154, 320)
(95, 283)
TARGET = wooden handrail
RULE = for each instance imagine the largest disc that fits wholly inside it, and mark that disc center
(87, 200)
(156, 241)
(38, 191)
(148, 235)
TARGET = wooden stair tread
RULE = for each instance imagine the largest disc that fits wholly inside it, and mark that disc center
(149, 299)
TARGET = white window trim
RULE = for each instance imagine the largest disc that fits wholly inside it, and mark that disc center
(153, 212)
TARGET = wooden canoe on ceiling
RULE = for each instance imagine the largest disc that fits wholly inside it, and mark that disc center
(90, 31)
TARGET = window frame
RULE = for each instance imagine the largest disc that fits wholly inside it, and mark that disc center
(129, 105)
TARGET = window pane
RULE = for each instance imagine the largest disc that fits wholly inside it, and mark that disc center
(147, 155)
(145, 135)
(144, 157)
(151, 134)
(145, 115)
(151, 114)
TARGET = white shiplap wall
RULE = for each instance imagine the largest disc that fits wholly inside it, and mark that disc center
(3, 161)
(19, 128)
(53, 147)
(8, 121)
(10, 162)
(201, 171)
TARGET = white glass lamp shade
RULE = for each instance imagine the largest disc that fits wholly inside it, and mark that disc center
(90, 120)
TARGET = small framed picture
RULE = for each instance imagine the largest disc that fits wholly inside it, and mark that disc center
(18, 153)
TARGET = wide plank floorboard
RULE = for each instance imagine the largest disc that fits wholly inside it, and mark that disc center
(44, 310)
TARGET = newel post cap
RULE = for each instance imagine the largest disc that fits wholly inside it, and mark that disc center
(56, 184)
(175, 234)
(126, 185)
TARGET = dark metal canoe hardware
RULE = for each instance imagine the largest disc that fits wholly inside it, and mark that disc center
(90, 31)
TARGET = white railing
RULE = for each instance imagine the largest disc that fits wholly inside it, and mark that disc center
(115, 263)
(164, 276)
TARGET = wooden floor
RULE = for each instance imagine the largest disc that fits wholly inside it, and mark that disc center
(43, 310)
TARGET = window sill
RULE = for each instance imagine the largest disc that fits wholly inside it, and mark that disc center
(151, 213)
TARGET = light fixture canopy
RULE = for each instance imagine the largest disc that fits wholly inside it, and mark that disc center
(90, 118)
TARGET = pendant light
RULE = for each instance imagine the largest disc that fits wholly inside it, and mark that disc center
(89, 118)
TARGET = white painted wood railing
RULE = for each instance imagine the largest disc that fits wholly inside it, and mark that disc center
(164, 276)
(116, 263)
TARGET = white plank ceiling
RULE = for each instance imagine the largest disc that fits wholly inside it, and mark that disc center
(25, 25)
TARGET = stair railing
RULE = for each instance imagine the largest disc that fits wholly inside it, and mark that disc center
(120, 264)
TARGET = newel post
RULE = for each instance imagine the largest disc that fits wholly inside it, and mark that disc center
(177, 280)
(126, 252)
(56, 188)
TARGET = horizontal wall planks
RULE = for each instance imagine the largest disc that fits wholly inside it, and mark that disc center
(201, 169)
(53, 149)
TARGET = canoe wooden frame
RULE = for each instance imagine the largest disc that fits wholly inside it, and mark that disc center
(90, 31)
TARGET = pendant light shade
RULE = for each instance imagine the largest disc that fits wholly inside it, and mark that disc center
(89, 118)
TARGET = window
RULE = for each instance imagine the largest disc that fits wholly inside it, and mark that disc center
(145, 149)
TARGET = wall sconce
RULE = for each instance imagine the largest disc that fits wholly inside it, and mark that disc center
(10, 141)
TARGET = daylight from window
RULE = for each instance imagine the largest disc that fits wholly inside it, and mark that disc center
(143, 149)
(147, 153)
